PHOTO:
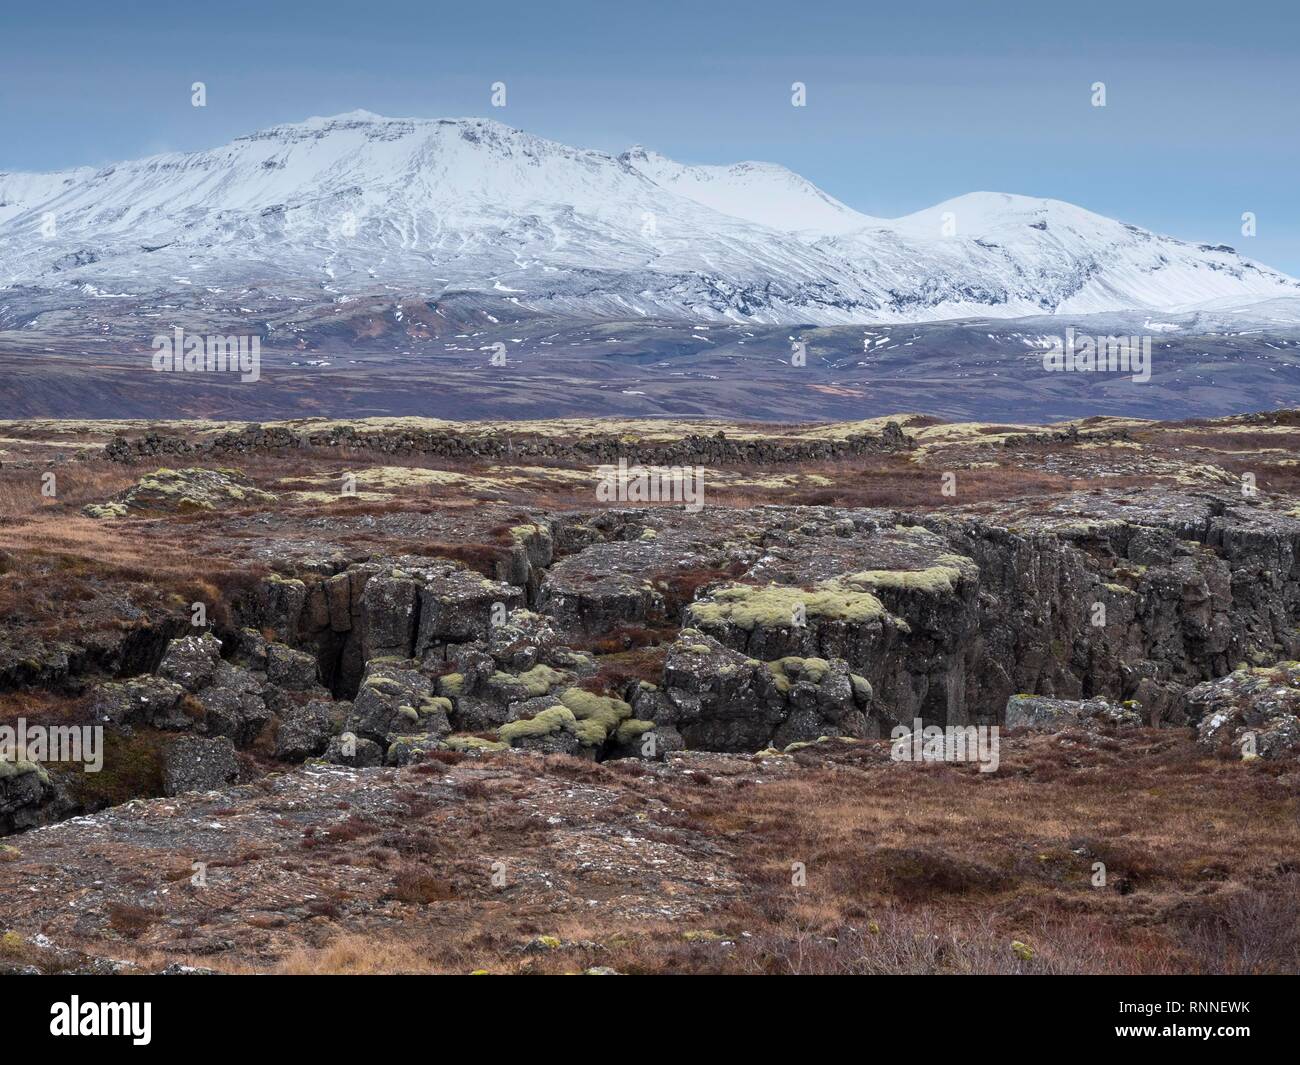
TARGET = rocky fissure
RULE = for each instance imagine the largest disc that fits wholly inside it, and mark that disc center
(638, 632)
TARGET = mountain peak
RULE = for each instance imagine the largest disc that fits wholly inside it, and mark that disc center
(359, 114)
(766, 193)
(344, 205)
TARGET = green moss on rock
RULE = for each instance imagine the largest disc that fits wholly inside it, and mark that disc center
(749, 606)
(599, 714)
(940, 579)
(632, 729)
(543, 724)
(459, 742)
(536, 681)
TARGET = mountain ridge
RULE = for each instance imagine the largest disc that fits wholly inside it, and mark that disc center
(336, 207)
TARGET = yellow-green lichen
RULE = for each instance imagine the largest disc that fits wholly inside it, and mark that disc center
(793, 667)
(458, 742)
(940, 579)
(749, 606)
(433, 704)
(540, 679)
(543, 724)
(20, 767)
(105, 510)
(597, 715)
(632, 729)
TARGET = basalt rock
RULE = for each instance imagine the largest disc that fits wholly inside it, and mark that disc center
(406, 750)
(457, 605)
(145, 700)
(355, 751)
(27, 796)
(402, 607)
(690, 449)
(948, 617)
(580, 722)
(719, 699)
(191, 661)
(395, 700)
(607, 586)
(290, 669)
(304, 731)
(233, 704)
(485, 696)
(196, 763)
(1138, 602)
(196, 690)
(894, 602)
(182, 492)
(389, 616)
(1251, 713)
(1053, 715)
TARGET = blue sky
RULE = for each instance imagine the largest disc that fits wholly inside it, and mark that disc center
(908, 103)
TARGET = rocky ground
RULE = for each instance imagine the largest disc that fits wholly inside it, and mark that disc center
(405, 695)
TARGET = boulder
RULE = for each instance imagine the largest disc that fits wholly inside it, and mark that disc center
(388, 615)
(553, 731)
(197, 763)
(144, 700)
(233, 704)
(407, 750)
(304, 731)
(484, 696)
(458, 605)
(287, 668)
(394, 700)
(25, 793)
(352, 750)
(721, 700)
(191, 661)
(1251, 713)
(1042, 714)
(605, 587)
(182, 492)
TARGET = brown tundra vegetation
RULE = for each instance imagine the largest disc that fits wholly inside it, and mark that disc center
(388, 697)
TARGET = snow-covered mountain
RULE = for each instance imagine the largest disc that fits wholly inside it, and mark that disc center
(336, 209)
(764, 193)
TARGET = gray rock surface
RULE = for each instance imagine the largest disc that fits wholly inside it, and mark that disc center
(196, 763)
(1251, 713)
(1042, 714)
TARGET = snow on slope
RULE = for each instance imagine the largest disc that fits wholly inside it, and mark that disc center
(764, 193)
(1021, 255)
(331, 208)
(21, 192)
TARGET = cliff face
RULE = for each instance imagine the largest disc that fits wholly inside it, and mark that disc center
(466, 595)
(1138, 601)
(945, 618)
